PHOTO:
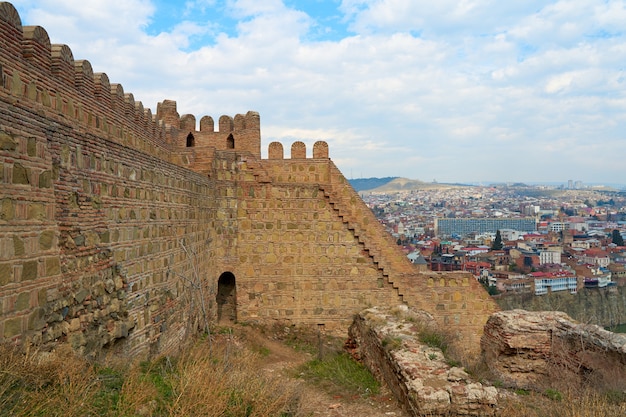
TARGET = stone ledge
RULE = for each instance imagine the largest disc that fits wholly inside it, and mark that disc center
(387, 341)
(533, 349)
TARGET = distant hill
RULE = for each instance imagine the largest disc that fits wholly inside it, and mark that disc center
(364, 184)
(393, 185)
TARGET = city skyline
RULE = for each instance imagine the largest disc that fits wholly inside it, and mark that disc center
(457, 91)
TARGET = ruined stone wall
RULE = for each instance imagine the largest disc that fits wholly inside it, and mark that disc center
(604, 307)
(548, 349)
(117, 227)
(308, 250)
(387, 340)
(100, 233)
(94, 236)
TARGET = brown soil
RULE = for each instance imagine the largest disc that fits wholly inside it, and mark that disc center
(281, 359)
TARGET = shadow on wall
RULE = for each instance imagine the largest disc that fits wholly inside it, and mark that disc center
(226, 298)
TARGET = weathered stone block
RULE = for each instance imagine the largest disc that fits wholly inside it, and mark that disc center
(29, 270)
(119, 282)
(45, 239)
(12, 327)
(45, 179)
(42, 296)
(31, 146)
(23, 301)
(36, 319)
(79, 240)
(20, 174)
(7, 142)
(36, 211)
(74, 324)
(53, 266)
(81, 295)
(7, 209)
(77, 340)
(18, 246)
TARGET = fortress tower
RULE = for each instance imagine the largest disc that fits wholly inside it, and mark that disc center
(125, 230)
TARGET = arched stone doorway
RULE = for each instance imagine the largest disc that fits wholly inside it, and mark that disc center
(226, 298)
(191, 141)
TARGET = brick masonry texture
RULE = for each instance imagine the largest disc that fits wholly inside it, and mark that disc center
(122, 231)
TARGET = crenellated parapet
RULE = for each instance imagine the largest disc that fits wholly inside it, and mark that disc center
(298, 150)
(45, 76)
(108, 210)
(241, 133)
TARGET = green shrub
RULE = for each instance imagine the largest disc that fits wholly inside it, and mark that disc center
(391, 343)
(434, 339)
(340, 374)
(553, 394)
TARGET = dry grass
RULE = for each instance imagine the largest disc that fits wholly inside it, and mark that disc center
(587, 403)
(224, 383)
(228, 384)
(229, 381)
(35, 384)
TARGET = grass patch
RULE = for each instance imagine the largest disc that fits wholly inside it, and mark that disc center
(301, 346)
(299, 339)
(579, 403)
(453, 363)
(553, 394)
(613, 396)
(222, 382)
(434, 339)
(263, 351)
(111, 383)
(391, 343)
(339, 374)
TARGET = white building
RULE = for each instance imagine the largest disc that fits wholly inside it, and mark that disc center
(549, 257)
(558, 226)
(510, 234)
(545, 283)
(596, 257)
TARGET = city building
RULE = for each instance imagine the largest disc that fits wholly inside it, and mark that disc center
(465, 226)
(546, 282)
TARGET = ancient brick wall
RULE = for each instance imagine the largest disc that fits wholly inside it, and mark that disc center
(101, 234)
(304, 248)
(124, 230)
(300, 262)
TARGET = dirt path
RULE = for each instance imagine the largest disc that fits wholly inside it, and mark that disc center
(279, 359)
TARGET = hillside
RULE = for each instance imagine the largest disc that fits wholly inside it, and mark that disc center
(393, 185)
(365, 184)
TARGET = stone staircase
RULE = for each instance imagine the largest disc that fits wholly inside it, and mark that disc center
(395, 267)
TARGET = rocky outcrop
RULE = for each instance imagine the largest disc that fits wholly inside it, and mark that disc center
(423, 381)
(540, 349)
(602, 306)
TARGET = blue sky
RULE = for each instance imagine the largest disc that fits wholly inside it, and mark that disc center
(463, 90)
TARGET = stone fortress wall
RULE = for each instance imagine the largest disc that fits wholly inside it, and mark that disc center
(123, 231)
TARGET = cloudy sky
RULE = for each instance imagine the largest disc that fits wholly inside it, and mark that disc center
(452, 90)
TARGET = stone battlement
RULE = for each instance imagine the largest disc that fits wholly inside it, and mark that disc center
(36, 70)
(123, 231)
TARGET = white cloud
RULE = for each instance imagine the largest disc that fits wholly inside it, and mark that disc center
(418, 89)
(559, 82)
